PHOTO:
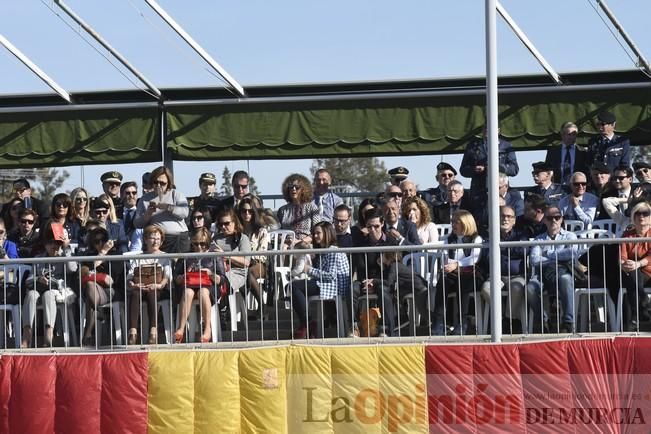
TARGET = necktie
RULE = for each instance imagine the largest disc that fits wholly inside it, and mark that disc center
(128, 220)
(566, 169)
(321, 205)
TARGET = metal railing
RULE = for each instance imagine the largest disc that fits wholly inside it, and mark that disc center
(401, 293)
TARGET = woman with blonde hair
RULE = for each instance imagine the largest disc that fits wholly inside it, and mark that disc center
(460, 272)
(416, 210)
(635, 260)
(80, 206)
(148, 282)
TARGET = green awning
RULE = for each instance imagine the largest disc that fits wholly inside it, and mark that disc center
(395, 126)
(53, 138)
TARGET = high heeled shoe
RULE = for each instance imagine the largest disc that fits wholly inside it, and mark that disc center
(133, 337)
(205, 338)
(153, 338)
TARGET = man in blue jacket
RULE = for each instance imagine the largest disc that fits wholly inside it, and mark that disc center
(609, 148)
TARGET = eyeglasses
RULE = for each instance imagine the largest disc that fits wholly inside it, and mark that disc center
(459, 191)
(373, 226)
(579, 184)
(131, 193)
(27, 221)
(242, 186)
(619, 178)
(554, 218)
(294, 187)
(246, 211)
(199, 244)
(341, 221)
(101, 211)
(80, 199)
(61, 205)
(225, 223)
(507, 216)
(395, 194)
(446, 175)
(646, 213)
(161, 183)
(640, 172)
(197, 217)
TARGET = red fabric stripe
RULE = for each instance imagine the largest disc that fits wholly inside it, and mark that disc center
(79, 382)
(124, 393)
(5, 392)
(74, 393)
(33, 393)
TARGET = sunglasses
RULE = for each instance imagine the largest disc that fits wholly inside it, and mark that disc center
(246, 211)
(641, 172)
(446, 175)
(101, 211)
(579, 184)
(197, 217)
(294, 187)
(81, 199)
(61, 205)
(225, 223)
(131, 193)
(161, 183)
(395, 194)
(113, 184)
(646, 213)
(27, 221)
(554, 218)
(199, 244)
(619, 178)
(242, 186)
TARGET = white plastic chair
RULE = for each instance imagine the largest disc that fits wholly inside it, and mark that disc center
(424, 264)
(573, 225)
(608, 224)
(14, 274)
(279, 239)
(443, 229)
(194, 325)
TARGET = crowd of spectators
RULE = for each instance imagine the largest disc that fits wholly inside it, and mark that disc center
(577, 183)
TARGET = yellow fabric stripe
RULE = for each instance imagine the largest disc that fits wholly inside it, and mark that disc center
(263, 390)
(171, 392)
(217, 392)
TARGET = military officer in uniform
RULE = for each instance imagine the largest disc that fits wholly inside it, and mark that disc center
(543, 173)
(208, 197)
(398, 174)
(609, 148)
(438, 195)
(111, 182)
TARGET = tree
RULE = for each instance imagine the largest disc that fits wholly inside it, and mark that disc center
(48, 181)
(253, 187)
(361, 174)
(226, 187)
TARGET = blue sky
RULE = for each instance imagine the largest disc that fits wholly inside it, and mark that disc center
(263, 42)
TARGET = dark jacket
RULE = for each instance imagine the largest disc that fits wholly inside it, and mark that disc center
(409, 231)
(441, 213)
(553, 158)
(613, 153)
(476, 154)
(399, 279)
(552, 194)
